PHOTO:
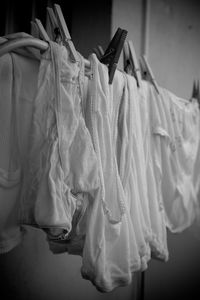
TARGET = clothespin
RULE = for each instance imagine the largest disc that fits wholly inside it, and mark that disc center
(197, 89)
(194, 91)
(35, 30)
(42, 32)
(113, 51)
(198, 92)
(126, 57)
(54, 27)
(98, 51)
(131, 65)
(143, 69)
(146, 66)
(134, 62)
(66, 38)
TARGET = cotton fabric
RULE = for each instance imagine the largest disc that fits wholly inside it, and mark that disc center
(16, 101)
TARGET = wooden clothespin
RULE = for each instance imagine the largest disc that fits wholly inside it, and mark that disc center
(143, 70)
(126, 58)
(42, 32)
(131, 65)
(54, 30)
(198, 92)
(113, 51)
(35, 30)
(134, 62)
(145, 65)
(194, 91)
(98, 51)
(198, 98)
(66, 38)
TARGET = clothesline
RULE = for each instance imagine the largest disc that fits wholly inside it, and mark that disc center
(59, 33)
(13, 44)
(15, 41)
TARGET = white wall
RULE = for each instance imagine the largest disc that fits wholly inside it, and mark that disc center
(174, 56)
(174, 39)
(174, 44)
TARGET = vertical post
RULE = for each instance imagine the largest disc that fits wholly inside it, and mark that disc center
(145, 52)
(145, 27)
(142, 285)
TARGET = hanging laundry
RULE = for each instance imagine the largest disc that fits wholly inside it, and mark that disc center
(129, 128)
(159, 233)
(16, 105)
(110, 253)
(62, 164)
(175, 134)
(103, 169)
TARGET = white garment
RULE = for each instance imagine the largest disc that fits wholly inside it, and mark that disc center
(176, 142)
(158, 243)
(134, 175)
(110, 252)
(18, 85)
(62, 164)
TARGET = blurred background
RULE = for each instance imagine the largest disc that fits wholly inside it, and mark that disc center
(168, 31)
